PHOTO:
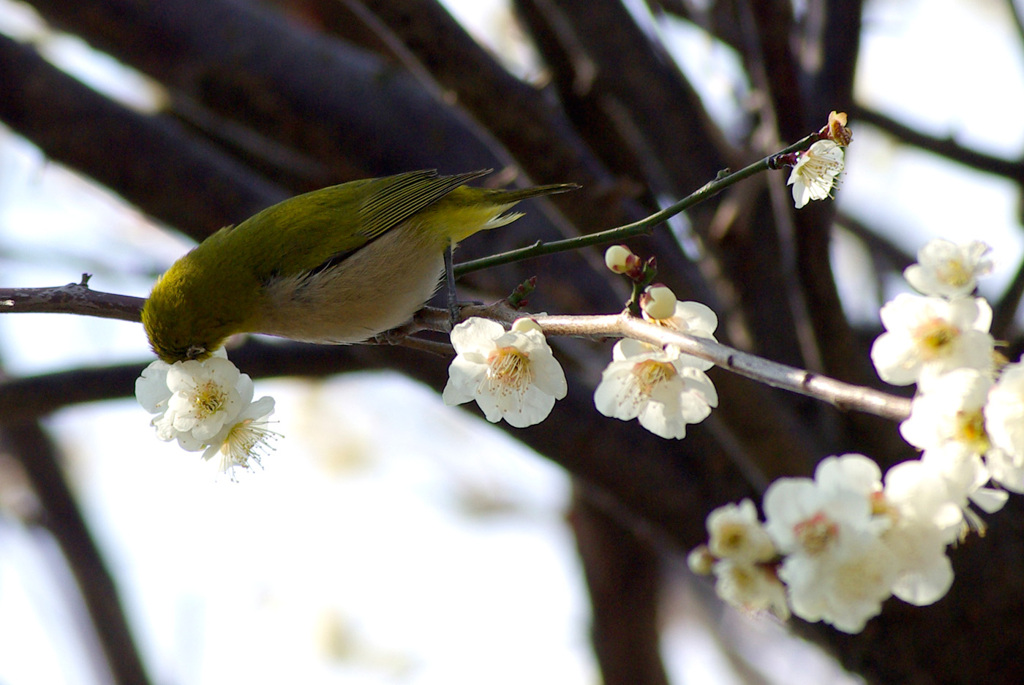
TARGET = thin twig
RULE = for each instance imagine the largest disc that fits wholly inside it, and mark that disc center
(644, 226)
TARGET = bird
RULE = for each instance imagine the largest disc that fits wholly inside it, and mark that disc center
(336, 265)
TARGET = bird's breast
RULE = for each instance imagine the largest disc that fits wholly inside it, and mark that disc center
(378, 287)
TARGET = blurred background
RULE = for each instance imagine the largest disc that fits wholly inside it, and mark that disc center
(387, 538)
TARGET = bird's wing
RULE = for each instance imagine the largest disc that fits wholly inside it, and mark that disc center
(390, 201)
(337, 221)
(396, 198)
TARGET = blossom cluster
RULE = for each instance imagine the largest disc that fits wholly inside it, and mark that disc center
(834, 547)
(967, 416)
(207, 405)
(513, 375)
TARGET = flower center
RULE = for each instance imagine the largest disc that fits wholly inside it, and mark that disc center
(245, 441)
(509, 368)
(651, 372)
(816, 533)
(970, 430)
(732, 537)
(209, 399)
(934, 338)
(955, 273)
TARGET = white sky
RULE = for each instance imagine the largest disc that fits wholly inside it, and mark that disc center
(390, 539)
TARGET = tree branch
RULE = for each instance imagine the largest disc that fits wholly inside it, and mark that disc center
(73, 298)
(152, 161)
(63, 518)
(945, 147)
(841, 395)
(77, 298)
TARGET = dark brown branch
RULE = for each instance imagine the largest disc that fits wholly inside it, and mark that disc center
(73, 298)
(526, 122)
(151, 160)
(320, 96)
(636, 87)
(945, 147)
(62, 517)
(623, 578)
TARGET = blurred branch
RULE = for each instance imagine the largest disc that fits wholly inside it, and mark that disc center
(1004, 313)
(526, 121)
(623, 578)
(150, 160)
(834, 52)
(877, 242)
(250, 64)
(62, 517)
(945, 147)
(601, 55)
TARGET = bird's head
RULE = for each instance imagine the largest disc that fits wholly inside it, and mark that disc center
(193, 309)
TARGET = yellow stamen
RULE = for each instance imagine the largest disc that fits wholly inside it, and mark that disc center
(955, 273)
(209, 399)
(970, 430)
(509, 370)
(934, 337)
(651, 372)
(816, 533)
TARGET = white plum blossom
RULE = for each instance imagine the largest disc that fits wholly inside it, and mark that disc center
(947, 421)
(927, 336)
(207, 406)
(735, 533)
(511, 375)
(1004, 415)
(815, 172)
(193, 400)
(926, 518)
(151, 387)
(846, 542)
(242, 443)
(966, 475)
(844, 587)
(1004, 421)
(804, 515)
(750, 586)
(1007, 469)
(655, 386)
(950, 409)
(837, 567)
(946, 269)
(205, 396)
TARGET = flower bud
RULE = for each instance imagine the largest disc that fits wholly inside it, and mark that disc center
(700, 561)
(836, 129)
(658, 302)
(619, 259)
(524, 324)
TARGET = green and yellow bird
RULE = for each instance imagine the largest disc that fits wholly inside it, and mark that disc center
(336, 265)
